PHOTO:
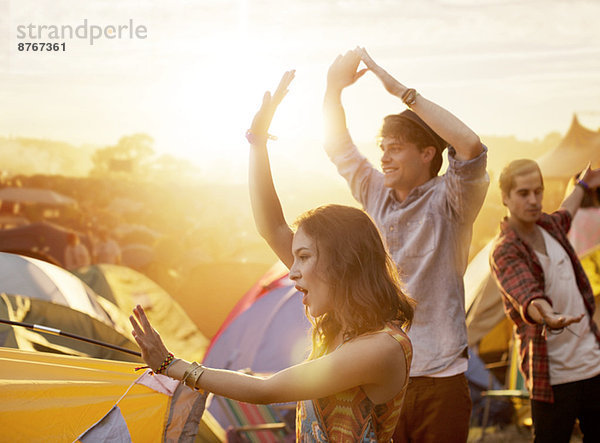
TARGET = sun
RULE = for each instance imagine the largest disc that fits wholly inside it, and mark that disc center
(209, 102)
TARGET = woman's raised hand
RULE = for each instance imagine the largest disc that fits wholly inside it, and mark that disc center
(264, 116)
(153, 349)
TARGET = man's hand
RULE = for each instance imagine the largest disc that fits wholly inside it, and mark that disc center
(343, 72)
(558, 321)
(572, 202)
(264, 116)
(392, 85)
(591, 177)
(553, 320)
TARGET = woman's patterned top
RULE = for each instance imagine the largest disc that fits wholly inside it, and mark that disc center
(350, 416)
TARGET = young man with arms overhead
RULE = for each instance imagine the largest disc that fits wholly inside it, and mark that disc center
(548, 297)
(427, 223)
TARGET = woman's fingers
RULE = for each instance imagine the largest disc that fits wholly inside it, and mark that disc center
(266, 98)
(262, 119)
(136, 328)
(137, 332)
(149, 341)
(286, 79)
(282, 88)
(144, 322)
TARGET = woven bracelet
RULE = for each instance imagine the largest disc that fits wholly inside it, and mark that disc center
(167, 361)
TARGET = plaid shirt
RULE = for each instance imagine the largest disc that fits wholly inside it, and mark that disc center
(518, 273)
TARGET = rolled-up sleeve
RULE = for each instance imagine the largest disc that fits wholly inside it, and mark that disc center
(516, 279)
(563, 219)
(467, 183)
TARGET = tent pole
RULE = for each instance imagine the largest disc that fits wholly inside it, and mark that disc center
(53, 331)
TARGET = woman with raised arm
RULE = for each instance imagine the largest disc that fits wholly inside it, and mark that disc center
(352, 386)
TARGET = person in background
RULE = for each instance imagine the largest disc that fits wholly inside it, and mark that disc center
(106, 249)
(549, 299)
(350, 287)
(76, 253)
(585, 227)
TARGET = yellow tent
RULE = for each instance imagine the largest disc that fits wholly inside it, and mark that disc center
(57, 398)
(578, 147)
(591, 265)
(127, 288)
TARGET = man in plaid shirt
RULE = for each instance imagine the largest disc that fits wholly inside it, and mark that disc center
(548, 297)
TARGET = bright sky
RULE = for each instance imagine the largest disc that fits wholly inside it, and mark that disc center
(505, 67)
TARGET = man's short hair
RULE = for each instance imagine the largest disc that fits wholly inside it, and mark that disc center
(515, 168)
(409, 127)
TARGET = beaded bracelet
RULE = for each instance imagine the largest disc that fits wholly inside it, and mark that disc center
(167, 361)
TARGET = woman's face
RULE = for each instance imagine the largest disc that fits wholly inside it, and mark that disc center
(308, 275)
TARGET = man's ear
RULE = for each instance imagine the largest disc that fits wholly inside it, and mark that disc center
(428, 153)
(504, 197)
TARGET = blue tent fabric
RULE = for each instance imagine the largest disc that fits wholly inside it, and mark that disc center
(478, 377)
(478, 374)
(271, 335)
(112, 427)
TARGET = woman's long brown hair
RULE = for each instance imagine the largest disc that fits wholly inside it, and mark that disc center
(363, 280)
